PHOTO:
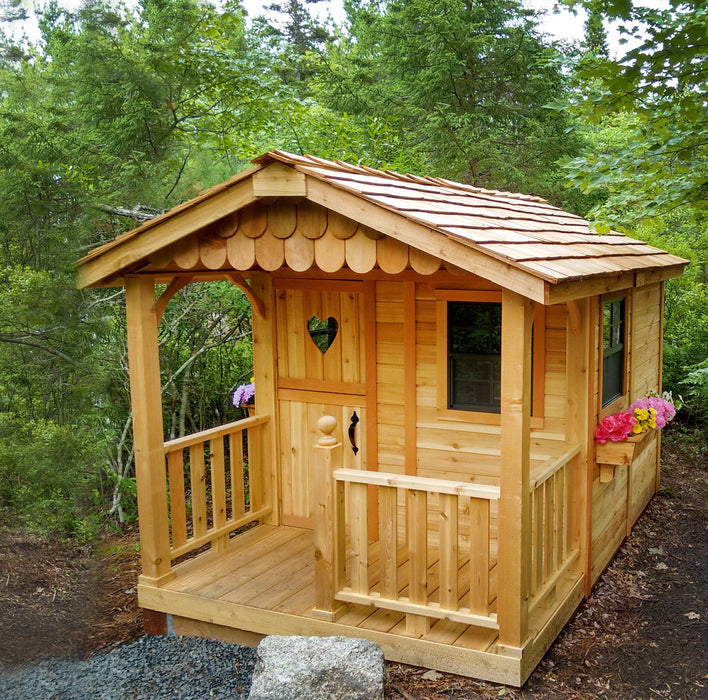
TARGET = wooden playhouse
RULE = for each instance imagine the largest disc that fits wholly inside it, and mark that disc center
(431, 360)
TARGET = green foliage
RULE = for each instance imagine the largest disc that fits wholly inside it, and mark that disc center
(46, 475)
(684, 232)
(659, 89)
(463, 85)
(121, 110)
(696, 383)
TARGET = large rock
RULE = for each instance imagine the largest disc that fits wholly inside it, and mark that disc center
(314, 668)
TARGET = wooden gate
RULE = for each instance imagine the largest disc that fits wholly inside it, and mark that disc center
(321, 370)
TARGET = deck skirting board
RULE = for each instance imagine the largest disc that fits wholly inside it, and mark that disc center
(551, 629)
(417, 652)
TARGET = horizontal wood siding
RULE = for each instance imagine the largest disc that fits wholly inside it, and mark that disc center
(447, 448)
(618, 503)
(609, 517)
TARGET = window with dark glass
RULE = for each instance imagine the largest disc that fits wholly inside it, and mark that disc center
(474, 356)
(612, 350)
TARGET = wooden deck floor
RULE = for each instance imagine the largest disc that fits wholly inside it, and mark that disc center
(273, 568)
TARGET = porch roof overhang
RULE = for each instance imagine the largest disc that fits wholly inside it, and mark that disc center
(517, 241)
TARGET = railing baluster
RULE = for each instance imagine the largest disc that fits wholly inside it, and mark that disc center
(559, 483)
(388, 540)
(238, 503)
(548, 528)
(175, 468)
(198, 485)
(449, 590)
(417, 559)
(358, 497)
(538, 511)
(479, 556)
(218, 489)
(254, 475)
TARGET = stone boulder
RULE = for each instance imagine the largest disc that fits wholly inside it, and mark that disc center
(318, 668)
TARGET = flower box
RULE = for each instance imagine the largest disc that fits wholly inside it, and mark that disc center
(613, 454)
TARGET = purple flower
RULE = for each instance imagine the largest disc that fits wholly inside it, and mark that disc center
(244, 394)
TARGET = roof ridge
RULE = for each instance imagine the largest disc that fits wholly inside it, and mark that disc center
(285, 156)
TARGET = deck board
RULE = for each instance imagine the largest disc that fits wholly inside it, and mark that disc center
(273, 568)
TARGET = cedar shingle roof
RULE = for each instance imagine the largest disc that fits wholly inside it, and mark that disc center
(522, 231)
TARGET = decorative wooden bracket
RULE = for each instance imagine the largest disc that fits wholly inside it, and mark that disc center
(256, 303)
(172, 288)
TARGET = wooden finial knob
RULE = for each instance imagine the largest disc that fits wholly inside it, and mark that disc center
(326, 425)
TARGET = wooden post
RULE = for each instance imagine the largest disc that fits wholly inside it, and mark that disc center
(148, 437)
(327, 521)
(264, 372)
(515, 501)
(578, 428)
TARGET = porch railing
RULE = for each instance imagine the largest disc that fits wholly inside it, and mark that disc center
(215, 484)
(555, 526)
(434, 562)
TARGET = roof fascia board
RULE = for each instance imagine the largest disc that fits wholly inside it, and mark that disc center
(423, 238)
(92, 272)
(579, 289)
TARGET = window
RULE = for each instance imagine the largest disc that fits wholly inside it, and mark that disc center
(613, 342)
(474, 356)
(469, 347)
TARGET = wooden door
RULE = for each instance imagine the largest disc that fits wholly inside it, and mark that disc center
(321, 370)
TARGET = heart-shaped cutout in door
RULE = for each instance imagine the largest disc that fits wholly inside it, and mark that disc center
(323, 333)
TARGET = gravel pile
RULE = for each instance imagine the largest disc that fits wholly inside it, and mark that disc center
(149, 668)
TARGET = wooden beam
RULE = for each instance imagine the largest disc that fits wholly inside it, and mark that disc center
(256, 303)
(580, 289)
(118, 257)
(423, 238)
(173, 287)
(279, 180)
(146, 405)
(515, 502)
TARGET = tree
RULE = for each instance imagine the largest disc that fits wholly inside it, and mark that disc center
(463, 83)
(114, 109)
(658, 90)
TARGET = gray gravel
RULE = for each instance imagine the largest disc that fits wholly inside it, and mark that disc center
(150, 668)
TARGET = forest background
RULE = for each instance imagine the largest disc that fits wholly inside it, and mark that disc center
(113, 114)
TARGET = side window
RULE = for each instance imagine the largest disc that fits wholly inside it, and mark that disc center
(613, 342)
(474, 356)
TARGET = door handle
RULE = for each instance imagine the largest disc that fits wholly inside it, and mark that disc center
(352, 432)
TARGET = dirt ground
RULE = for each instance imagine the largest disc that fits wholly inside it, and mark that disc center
(642, 634)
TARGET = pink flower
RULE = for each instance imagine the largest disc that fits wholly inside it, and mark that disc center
(665, 410)
(615, 428)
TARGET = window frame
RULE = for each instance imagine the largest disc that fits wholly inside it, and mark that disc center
(617, 402)
(443, 296)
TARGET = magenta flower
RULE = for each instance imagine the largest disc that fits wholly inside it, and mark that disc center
(615, 428)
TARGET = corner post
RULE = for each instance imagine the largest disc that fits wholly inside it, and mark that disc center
(515, 502)
(148, 436)
(265, 373)
(329, 528)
